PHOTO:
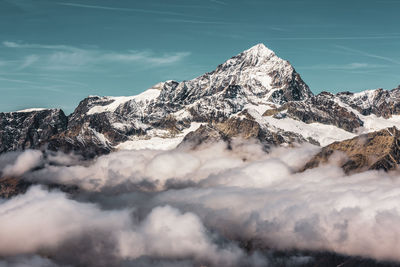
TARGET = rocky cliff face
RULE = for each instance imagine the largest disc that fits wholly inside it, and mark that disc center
(30, 128)
(379, 102)
(255, 94)
(321, 108)
(373, 151)
(256, 75)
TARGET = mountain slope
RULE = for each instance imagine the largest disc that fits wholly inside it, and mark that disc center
(372, 151)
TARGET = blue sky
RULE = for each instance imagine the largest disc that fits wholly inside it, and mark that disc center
(54, 53)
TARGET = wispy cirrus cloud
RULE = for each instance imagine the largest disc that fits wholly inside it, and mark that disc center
(17, 81)
(379, 37)
(192, 21)
(348, 66)
(11, 44)
(147, 57)
(63, 57)
(28, 61)
(148, 11)
(219, 2)
(370, 55)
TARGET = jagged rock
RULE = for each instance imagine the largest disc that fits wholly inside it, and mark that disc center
(256, 73)
(205, 134)
(11, 186)
(243, 126)
(380, 102)
(373, 151)
(30, 128)
(256, 76)
(80, 143)
(320, 108)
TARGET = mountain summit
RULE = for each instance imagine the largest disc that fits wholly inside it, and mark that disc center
(256, 74)
(254, 94)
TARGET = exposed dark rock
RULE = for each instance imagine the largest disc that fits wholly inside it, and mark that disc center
(11, 186)
(382, 103)
(205, 134)
(320, 108)
(244, 127)
(24, 130)
(83, 144)
(373, 151)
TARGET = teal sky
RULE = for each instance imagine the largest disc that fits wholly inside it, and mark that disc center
(54, 53)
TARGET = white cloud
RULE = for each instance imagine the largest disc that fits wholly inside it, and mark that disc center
(62, 57)
(26, 161)
(219, 2)
(247, 194)
(348, 66)
(370, 55)
(196, 204)
(10, 44)
(146, 57)
(147, 11)
(41, 221)
(28, 61)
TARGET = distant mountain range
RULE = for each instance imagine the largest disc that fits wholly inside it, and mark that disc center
(254, 94)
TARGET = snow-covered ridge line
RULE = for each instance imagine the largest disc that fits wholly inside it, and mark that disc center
(31, 110)
(156, 141)
(148, 95)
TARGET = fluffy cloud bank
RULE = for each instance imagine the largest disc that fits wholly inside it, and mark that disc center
(51, 224)
(212, 206)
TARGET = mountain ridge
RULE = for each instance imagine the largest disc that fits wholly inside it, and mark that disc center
(255, 90)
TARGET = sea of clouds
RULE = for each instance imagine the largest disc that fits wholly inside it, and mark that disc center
(212, 206)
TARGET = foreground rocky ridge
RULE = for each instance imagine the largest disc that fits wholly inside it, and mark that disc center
(373, 151)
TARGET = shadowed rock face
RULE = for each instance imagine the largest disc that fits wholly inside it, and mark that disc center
(24, 130)
(382, 103)
(12, 186)
(373, 151)
(320, 108)
(243, 126)
(205, 134)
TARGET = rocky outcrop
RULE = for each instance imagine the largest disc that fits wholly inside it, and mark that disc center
(373, 151)
(204, 135)
(320, 108)
(30, 128)
(243, 126)
(382, 103)
(11, 186)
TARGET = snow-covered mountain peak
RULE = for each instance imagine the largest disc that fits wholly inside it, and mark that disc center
(256, 75)
(258, 56)
(259, 50)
